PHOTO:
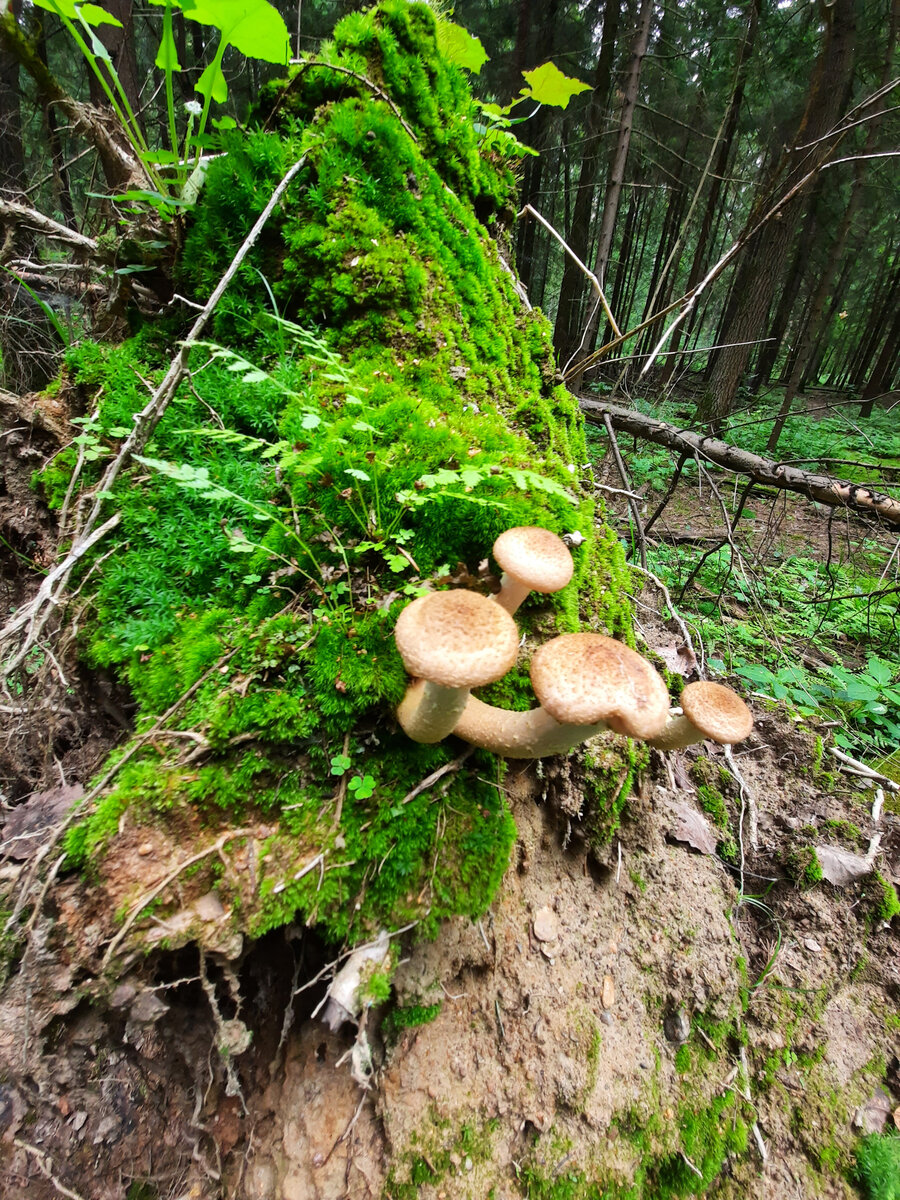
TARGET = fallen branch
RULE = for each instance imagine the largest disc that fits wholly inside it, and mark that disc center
(30, 218)
(826, 489)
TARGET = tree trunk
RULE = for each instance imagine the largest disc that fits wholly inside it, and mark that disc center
(617, 172)
(884, 369)
(720, 168)
(120, 44)
(765, 253)
(571, 293)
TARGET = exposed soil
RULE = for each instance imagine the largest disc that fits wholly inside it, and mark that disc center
(605, 1000)
(562, 1013)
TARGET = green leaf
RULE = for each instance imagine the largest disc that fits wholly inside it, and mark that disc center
(95, 15)
(212, 83)
(356, 474)
(254, 27)
(91, 14)
(548, 85)
(459, 47)
(167, 54)
(396, 562)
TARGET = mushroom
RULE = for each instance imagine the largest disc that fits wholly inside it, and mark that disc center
(450, 642)
(533, 560)
(710, 710)
(586, 683)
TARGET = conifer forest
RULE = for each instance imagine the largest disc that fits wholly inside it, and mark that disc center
(450, 582)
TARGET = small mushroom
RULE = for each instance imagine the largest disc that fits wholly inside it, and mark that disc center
(710, 710)
(533, 560)
(586, 683)
(450, 642)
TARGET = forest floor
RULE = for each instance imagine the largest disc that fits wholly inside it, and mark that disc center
(682, 1012)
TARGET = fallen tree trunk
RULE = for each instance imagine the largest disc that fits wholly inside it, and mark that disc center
(837, 493)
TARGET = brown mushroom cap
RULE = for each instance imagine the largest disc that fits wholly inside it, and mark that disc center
(717, 712)
(534, 557)
(586, 678)
(457, 639)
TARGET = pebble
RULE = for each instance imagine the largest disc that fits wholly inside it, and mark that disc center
(145, 848)
(677, 1027)
(546, 925)
(812, 944)
(608, 998)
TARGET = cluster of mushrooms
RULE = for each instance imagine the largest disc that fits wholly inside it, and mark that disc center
(454, 641)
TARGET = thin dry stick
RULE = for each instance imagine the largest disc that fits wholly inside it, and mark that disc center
(363, 79)
(45, 1166)
(748, 798)
(431, 779)
(35, 613)
(676, 616)
(342, 788)
(142, 903)
(595, 282)
(632, 503)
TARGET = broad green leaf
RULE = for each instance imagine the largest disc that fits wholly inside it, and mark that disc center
(459, 47)
(357, 474)
(92, 14)
(167, 54)
(95, 15)
(212, 83)
(548, 85)
(254, 27)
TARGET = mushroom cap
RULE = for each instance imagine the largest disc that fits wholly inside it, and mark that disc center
(717, 711)
(457, 639)
(535, 557)
(585, 678)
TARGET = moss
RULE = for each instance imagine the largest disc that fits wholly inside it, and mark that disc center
(437, 1151)
(305, 485)
(409, 1017)
(713, 802)
(886, 904)
(803, 867)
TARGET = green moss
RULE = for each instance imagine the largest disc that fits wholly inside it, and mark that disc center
(713, 802)
(409, 1017)
(434, 1153)
(803, 867)
(303, 487)
(886, 904)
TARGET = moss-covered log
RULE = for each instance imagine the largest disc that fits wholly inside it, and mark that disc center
(375, 409)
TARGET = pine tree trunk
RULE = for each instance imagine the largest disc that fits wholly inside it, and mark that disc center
(572, 289)
(617, 172)
(884, 369)
(766, 251)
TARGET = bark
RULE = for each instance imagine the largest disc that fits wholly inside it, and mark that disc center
(121, 168)
(814, 320)
(884, 369)
(617, 171)
(571, 294)
(826, 489)
(12, 153)
(121, 45)
(767, 250)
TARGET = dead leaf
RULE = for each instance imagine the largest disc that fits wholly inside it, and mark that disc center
(679, 659)
(692, 827)
(842, 867)
(23, 833)
(872, 1116)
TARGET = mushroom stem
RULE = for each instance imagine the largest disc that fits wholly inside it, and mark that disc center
(678, 733)
(429, 712)
(512, 593)
(532, 734)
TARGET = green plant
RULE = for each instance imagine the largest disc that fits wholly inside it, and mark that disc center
(877, 1167)
(254, 28)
